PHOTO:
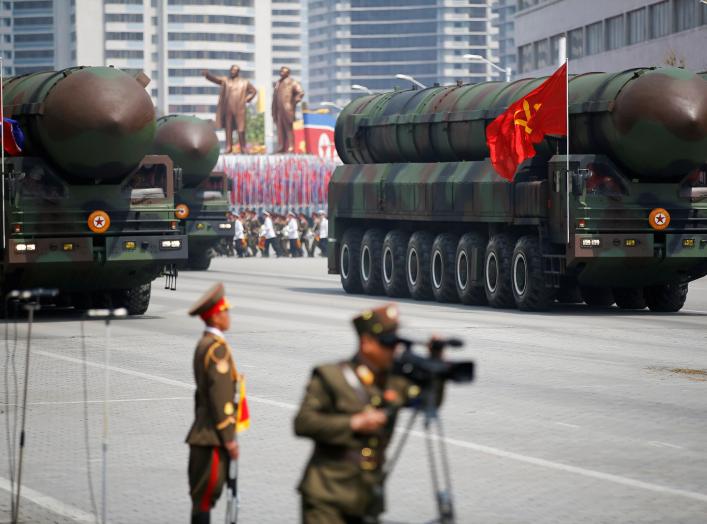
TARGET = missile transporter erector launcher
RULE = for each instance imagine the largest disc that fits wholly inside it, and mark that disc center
(86, 209)
(418, 210)
(202, 203)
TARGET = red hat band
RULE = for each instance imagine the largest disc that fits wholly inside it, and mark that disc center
(221, 305)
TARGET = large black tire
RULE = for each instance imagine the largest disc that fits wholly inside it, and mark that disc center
(136, 300)
(442, 273)
(668, 298)
(528, 278)
(371, 265)
(417, 265)
(350, 259)
(395, 246)
(630, 298)
(200, 261)
(497, 271)
(597, 297)
(468, 293)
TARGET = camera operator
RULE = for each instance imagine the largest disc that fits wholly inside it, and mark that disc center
(349, 411)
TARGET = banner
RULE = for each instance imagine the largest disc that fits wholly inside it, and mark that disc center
(277, 182)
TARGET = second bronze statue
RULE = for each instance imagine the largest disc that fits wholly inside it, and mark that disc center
(286, 95)
(235, 93)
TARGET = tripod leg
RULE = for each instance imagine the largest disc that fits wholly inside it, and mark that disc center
(399, 448)
(30, 310)
(443, 492)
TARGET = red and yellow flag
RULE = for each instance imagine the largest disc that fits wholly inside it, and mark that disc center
(541, 112)
(243, 413)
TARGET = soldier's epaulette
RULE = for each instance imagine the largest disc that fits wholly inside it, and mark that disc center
(210, 351)
(225, 363)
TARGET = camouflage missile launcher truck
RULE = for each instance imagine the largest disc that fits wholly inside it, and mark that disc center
(202, 204)
(418, 210)
(86, 209)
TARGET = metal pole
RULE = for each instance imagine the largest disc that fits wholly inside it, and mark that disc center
(31, 307)
(2, 152)
(508, 74)
(567, 153)
(104, 477)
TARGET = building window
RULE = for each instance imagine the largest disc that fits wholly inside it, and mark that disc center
(615, 34)
(542, 58)
(660, 19)
(637, 26)
(123, 53)
(685, 14)
(595, 38)
(576, 43)
(525, 58)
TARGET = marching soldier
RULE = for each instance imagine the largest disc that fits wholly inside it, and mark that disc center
(211, 438)
(349, 411)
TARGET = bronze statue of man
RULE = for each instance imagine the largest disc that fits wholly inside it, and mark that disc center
(286, 95)
(235, 93)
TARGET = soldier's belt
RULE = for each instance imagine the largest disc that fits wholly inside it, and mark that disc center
(368, 459)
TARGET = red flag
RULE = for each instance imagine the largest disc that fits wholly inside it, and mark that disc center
(541, 112)
(243, 413)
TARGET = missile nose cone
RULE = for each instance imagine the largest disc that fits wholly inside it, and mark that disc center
(672, 98)
(190, 142)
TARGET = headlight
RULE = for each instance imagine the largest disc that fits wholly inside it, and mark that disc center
(225, 226)
(591, 242)
(25, 247)
(130, 244)
(170, 244)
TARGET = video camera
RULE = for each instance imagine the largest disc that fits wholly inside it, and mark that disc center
(425, 370)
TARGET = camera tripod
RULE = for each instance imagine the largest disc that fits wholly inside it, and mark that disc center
(437, 457)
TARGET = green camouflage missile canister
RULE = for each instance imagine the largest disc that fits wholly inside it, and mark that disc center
(418, 209)
(650, 121)
(93, 123)
(191, 143)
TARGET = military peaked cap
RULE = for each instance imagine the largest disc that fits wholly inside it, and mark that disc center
(212, 302)
(381, 322)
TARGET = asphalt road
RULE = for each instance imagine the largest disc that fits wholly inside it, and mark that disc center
(575, 416)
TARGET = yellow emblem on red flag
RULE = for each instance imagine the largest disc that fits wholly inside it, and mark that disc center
(243, 415)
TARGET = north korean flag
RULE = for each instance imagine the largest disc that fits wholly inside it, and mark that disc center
(13, 139)
(319, 134)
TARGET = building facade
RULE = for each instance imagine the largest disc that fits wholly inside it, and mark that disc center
(502, 16)
(172, 41)
(368, 42)
(610, 35)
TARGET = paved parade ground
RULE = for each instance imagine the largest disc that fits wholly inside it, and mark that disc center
(576, 415)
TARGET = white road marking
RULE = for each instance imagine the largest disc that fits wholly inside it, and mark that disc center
(100, 401)
(55, 506)
(660, 444)
(558, 466)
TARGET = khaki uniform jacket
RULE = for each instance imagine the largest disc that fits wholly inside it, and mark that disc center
(214, 408)
(345, 469)
(286, 95)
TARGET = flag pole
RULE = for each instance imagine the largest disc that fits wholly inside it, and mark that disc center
(2, 152)
(567, 140)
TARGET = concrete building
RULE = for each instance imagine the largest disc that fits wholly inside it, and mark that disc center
(368, 42)
(502, 15)
(171, 40)
(610, 35)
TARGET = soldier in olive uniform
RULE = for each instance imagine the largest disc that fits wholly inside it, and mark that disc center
(212, 436)
(349, 410)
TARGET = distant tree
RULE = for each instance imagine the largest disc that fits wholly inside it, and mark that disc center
(255, 132)
(673, 60)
